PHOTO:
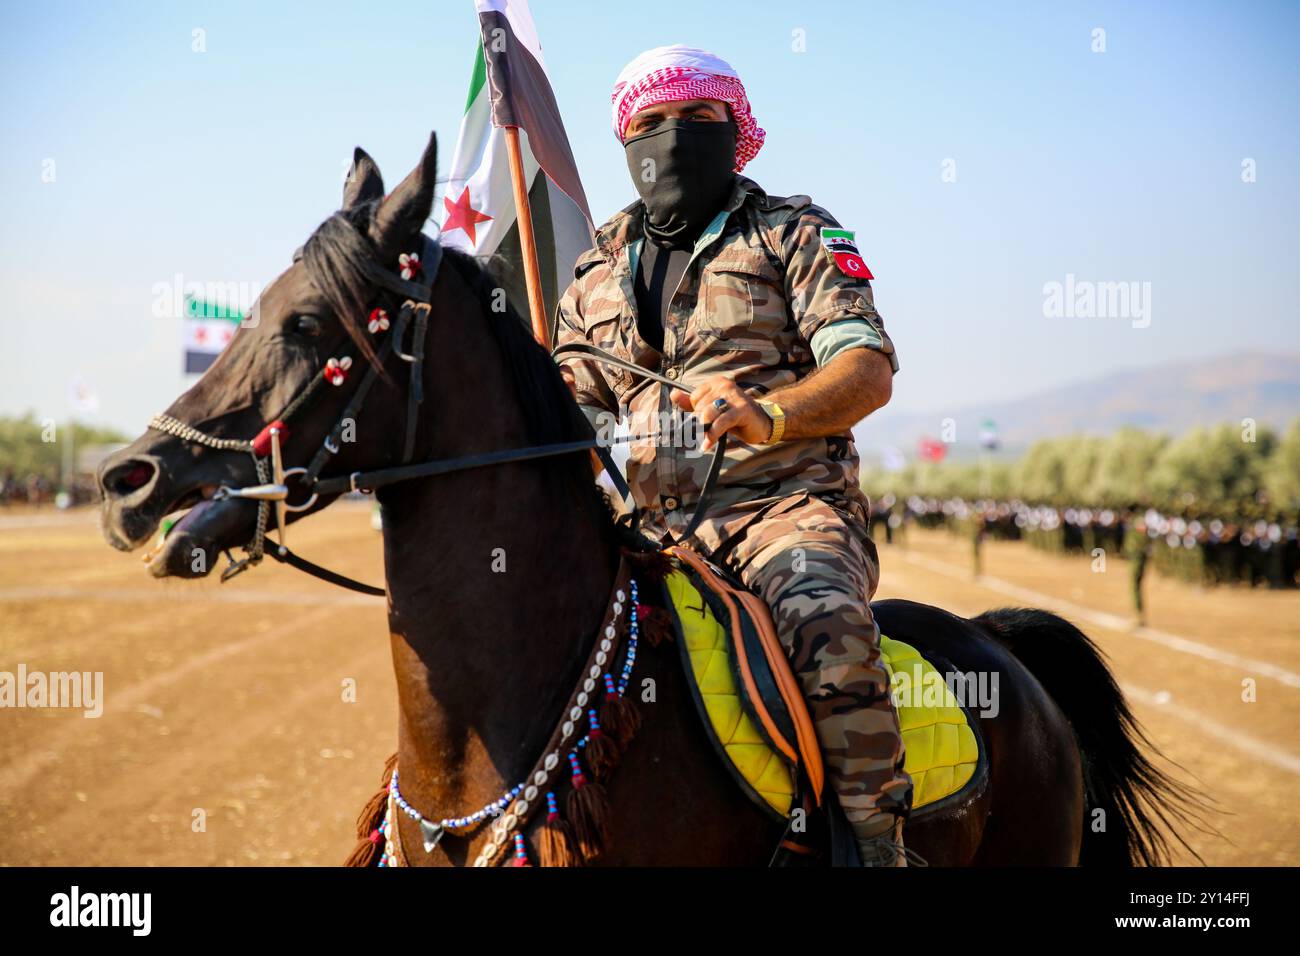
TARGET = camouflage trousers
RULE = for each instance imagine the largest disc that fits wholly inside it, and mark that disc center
(811, 559)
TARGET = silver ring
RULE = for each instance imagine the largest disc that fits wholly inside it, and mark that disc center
(309, 502)
(721, 404)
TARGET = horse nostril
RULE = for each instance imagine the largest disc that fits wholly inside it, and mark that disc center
(129, 476)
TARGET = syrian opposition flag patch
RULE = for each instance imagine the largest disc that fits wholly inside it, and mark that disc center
(841, 247)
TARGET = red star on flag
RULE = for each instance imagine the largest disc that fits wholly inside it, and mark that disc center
(460, 215)
(200, 335)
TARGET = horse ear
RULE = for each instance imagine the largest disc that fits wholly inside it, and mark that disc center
(401, 216)
(364, 182)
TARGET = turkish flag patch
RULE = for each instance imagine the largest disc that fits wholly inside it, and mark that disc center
(840, 246)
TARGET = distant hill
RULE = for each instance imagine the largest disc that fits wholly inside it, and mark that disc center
(1170, 398)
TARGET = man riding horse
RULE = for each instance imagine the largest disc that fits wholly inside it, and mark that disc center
(762, 305)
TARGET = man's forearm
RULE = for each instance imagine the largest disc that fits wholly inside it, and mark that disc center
(835, 398)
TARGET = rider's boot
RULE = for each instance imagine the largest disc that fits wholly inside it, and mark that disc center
(887, 849)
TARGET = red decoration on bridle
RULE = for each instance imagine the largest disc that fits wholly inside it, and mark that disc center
(378, 321)
(409, 264)
(336, 370)
(262, 443)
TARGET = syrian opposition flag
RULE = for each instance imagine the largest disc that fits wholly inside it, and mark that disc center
(208, 329)
(839, 243)
(989, 435)
(509, 88)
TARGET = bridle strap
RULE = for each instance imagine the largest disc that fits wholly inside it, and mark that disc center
(377, 479)
(330, 446)
(285, 556)
(415, 390)
(430, 260)
(372, 480)
(417, 303)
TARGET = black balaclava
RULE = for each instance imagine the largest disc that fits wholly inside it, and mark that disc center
(689, 179)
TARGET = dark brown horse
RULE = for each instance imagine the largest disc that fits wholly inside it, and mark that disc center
(485, 658)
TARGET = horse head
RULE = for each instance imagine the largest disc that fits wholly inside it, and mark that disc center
(307, 346)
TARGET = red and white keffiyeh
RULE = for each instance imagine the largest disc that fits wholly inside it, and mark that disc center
(669, 74)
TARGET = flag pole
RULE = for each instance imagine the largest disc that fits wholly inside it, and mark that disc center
(527, 245)
(528, 249)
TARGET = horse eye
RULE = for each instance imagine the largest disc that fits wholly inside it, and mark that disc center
(305, 325)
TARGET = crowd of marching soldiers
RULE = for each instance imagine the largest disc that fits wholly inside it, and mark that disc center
(1255, 548)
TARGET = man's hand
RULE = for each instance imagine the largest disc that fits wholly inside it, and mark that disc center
(829, 402)
(724, 408)
(566, 373)
(570, 380)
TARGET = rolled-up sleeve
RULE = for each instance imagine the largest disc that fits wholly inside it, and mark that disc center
(834, 311)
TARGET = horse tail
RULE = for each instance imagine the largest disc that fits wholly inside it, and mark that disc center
(1140, 801)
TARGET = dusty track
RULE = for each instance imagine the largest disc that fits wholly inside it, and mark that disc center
(1183, 674)
(229, 699)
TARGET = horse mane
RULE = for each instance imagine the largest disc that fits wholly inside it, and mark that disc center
(550, 413)
(333, 255)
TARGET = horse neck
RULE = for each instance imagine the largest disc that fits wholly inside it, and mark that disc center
(496, 589)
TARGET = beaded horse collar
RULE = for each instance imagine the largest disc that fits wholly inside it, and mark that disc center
(562, 842)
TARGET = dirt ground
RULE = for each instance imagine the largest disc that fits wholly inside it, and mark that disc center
(228, 736)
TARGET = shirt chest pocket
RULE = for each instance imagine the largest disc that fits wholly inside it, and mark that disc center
(610, 330)
(743, 296)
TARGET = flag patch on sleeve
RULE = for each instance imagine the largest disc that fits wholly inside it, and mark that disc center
(840, 246)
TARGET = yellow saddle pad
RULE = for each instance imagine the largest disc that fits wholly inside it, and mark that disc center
(942, 749)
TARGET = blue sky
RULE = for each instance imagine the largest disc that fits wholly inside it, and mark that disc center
(1117, 166)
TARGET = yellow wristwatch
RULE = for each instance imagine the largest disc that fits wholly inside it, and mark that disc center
(775, 413)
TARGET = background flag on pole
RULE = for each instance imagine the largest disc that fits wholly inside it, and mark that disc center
(208, 329)
(989, 435)
(508, 87)
(930, 449)
(892, 458)
(82, 396)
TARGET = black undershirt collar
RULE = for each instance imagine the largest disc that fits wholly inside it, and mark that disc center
(659, 272)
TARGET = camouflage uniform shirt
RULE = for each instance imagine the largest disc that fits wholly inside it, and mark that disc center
(759, 287)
